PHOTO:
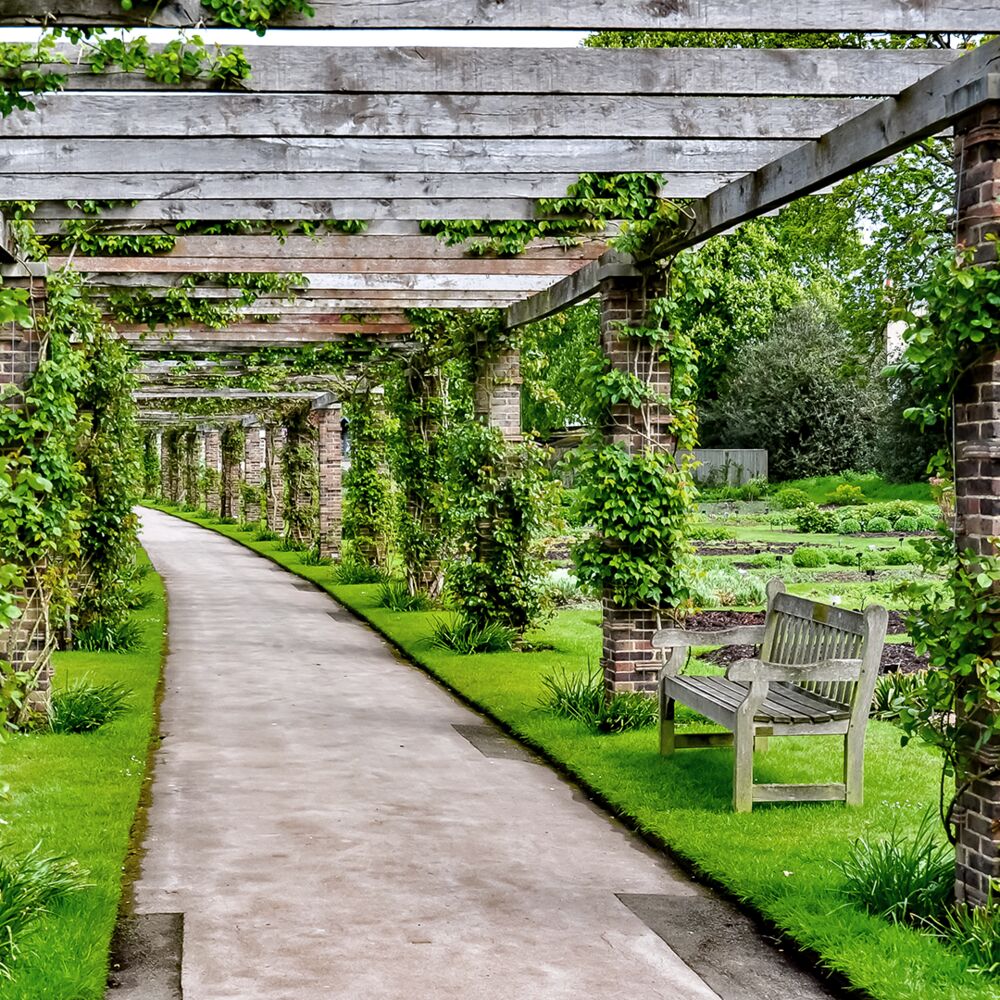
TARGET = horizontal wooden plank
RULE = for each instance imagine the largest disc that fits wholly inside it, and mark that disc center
(435, 187)
(306, 208)
(676, 15)
(513, 116)
(152, 396)
(353, 302)
(799, 793)
(440, 70)
(369, 282)
(266, 334)
(277, 331)
(378, 266)
(364, 156)
(335, 248)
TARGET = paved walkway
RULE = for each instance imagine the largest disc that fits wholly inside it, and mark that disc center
(327, 833)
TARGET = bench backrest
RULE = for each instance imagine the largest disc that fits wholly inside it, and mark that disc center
(802, 631)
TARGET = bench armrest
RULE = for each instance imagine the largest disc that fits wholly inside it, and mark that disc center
(679, 638)
(821, 670)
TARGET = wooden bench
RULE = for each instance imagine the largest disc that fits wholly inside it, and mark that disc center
(814, 675)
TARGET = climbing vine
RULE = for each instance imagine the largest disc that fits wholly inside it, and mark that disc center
(368, 498)
(300, 474)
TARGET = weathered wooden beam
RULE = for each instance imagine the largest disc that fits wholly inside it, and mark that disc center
(439, 70)
(582, 15)
(326, 187)
(363, 156)
(307, 208)
(155, 395)
(227, 344)
(362, 302)
(572, 289)
(413, 116)
(316, 332)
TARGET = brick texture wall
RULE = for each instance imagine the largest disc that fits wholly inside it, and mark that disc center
(329, 453)
(213, 461)
(977, 475)
(253, 473)
(629, 661)
(498, 394)
(274, 483)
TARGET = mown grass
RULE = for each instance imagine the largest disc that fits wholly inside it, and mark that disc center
(873, 486)
(77, 796)
(779, 860)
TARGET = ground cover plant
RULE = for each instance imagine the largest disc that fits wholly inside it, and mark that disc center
(75, 794)
(780, 861)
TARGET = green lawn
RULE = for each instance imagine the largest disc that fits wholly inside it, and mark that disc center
(776, 860)
(874, 487)
(76, 795)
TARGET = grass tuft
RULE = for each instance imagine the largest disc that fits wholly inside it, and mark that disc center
(85, 706)
(466, 636)
(108, 637)
(394, 595)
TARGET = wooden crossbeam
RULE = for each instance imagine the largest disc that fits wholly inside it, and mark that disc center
(359, 301)
(923, 110)
(373, 156)
(314, 332)
(364, 283)
(155, 395)
(440, 70)
(414, 116)
(581, 15)
(430, 188)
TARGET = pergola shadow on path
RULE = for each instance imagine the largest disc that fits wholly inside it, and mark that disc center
(393, 136)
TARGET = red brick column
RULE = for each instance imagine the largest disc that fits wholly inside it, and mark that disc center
(498, 393)
(213, 463)
(253, 474)
(629, 661)
(274, 482)
(230, 488)
(977, 476)
(329, 454)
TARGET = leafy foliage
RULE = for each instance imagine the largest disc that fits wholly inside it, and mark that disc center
(368, 510)
(467, 636)
(581, 697)
(84, 706)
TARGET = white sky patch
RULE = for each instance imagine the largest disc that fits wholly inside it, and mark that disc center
(400, 37)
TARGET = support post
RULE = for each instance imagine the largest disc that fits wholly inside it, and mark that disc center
(629, 661)
(213, 470)
(231, 459)
(329, 455)
(253, 475)
(274, 481)
(977, 475)
(498, 393)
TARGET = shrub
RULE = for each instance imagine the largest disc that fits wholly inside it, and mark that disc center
(905, 555)
(709, 533)
(84, 706)
(464, 635)
(395, 596)
(562, 591)
(352, 571)
(878, 525)
(842, 557)
(851, 526)
(808, 557)
(625, 712)
(29, 884)
(109, 637)
(890, 688)
(726, 587)
(265, 535)
(900, 879)
(975, 932)
(814, 521)
(311, 557)
(927, 523)
(789, 498)
(906, 525)
(846, 495)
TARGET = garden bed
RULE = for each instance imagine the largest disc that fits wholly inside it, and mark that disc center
(777, 860)
(76, 795)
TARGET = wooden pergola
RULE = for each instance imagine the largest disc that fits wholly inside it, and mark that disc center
(393, 136)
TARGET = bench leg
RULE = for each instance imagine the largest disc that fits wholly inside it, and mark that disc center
(743, 740)
(854, 768)
(667, 729)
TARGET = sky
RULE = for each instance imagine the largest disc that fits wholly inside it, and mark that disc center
(474, 39)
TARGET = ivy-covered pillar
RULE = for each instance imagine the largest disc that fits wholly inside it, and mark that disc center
(212, 475)
(191, 468)
(232, 445)
(253, 475)
(171, 446)
(498, 392)
(629, 661)
(299, 469)
(977, 478)
(274, 483)
(329, 491)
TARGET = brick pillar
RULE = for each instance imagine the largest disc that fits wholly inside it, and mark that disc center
(629, 661)
(192, 456)
(230, 484)
(253, 475)
(169, 479)
(329, 453)
(977, 476)
(213, 464)
(274, 482)
(498, 393)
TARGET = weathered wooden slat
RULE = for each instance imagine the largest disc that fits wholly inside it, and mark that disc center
(337, 248)
(583, 15)
(357, 156)
(306, 208)
(799, 793)
(276, 330)
(187, 339)
(439, 70)
(150, 396)
(381, 266)
(433, 188)
(227, 115)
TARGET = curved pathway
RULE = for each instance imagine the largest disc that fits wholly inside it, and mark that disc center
(326, 832)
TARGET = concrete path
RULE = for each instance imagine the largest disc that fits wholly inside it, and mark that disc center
(326, 833)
